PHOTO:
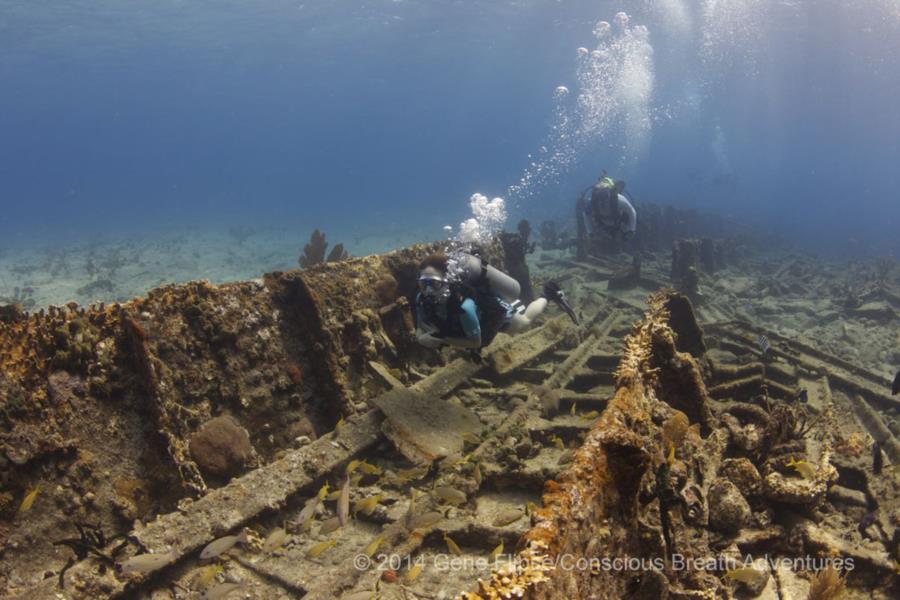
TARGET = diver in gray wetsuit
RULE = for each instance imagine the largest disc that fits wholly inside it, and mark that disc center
(464, 302)
(604, 207)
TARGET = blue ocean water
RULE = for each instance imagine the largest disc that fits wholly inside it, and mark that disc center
(382, 117)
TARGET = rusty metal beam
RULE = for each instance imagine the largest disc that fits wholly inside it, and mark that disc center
(842, 374)
(528, 346)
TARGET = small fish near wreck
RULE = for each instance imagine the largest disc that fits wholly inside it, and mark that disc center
(222, 590)
(343, 507)
(496, 552)
(452, 546)
(367, 506)
(309, 510)
(321, 547)
(329, 525)
(373, 546)
(749, 576)
(508, 516)
(424, 520)
(146, 563)
(413, 573)
(29, 498)
(323, 492)
(222, 545)
(804, 468)
(369, 469)
(450, 495)
(207, 575)
(763, 343)
(274, 540)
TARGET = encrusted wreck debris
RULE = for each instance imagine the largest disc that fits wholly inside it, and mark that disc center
(684, 450)
(672, 504)
(100, 404)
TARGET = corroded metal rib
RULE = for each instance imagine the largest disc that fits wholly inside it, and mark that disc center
(600, 483)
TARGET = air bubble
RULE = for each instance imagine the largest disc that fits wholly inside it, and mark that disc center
(601, 29)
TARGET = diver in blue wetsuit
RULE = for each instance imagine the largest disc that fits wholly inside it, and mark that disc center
(464, 302)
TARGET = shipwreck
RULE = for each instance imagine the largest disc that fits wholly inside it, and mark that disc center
(638, 455)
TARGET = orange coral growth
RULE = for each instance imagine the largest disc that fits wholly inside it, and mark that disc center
(294, 373)
(389, 576)
(136, 328)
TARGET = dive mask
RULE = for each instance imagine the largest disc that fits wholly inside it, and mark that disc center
(434, 287)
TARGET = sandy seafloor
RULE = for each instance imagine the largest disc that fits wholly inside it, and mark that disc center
(116, 268)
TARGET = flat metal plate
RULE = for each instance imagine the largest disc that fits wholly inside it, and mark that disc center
(425, 428)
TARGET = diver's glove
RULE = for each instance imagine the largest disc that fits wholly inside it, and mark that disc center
(554, 293)
(430, 340)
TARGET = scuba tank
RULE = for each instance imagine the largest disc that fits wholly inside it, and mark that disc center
(469, 270)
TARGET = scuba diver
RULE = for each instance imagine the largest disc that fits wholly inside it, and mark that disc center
(464, 302)
(605, 209)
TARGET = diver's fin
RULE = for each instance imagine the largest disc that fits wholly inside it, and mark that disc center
(554, 293)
